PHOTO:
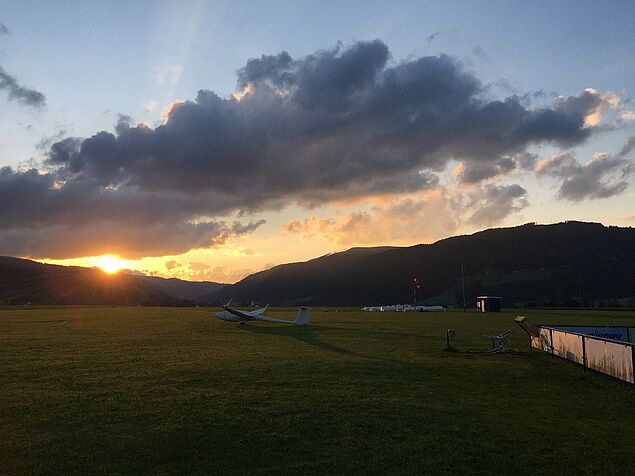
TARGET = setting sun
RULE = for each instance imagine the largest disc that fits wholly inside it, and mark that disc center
(109, 264)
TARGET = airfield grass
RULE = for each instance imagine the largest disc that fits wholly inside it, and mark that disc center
(173, 390)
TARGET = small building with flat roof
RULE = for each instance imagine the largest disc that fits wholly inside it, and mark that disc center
(489, 303)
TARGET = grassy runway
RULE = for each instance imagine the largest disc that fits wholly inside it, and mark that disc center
(173, 390)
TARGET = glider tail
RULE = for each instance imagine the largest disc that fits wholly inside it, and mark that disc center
(303, 316)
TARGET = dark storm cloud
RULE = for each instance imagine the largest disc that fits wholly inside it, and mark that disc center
(339, 123)
(337, 119)
(604, 176)
(627, 148)
(585, 102)
(479, 171)
(104, 236)
(50, 219)
(475, 172)
(17, 92)
(123, 124)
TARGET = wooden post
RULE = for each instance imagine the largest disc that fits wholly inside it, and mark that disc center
(449, 333)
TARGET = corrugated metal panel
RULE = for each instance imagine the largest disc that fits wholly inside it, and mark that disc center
(610, 358)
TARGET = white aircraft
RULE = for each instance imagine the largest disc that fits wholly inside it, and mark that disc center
(242, 317)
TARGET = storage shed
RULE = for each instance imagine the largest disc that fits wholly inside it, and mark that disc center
(489, 303)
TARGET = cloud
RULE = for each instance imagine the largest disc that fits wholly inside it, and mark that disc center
(74, 219)
(205, 272)
(310, 226)
(397, 221)
(596, 179)
(45, 143)
(196, 266)
(590, 103)
(341, 123)
(17, 92)
(603, 176)
(475, 172)
(172, 264)
(294, 226)
(421, 218)
(336, 123)
(492, 203)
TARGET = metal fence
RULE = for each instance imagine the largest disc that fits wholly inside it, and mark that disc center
(608, 356)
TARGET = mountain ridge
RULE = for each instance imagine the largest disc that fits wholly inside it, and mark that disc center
(24, 281)
(563, 264)
(568, 263)
(181, 288)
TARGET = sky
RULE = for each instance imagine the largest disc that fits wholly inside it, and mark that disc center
(210, 140)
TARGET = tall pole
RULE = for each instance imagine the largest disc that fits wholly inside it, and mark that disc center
(415, 285)
(463, 286)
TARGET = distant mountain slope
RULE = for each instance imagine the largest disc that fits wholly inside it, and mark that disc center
(571, 263)
(24, 281)
(190, 290)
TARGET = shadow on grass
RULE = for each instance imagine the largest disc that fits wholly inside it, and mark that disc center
(306, 335)
(474, 352)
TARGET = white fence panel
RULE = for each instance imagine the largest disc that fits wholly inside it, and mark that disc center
(543, 341)
(568, 346)
(610, 358)
(605, 332)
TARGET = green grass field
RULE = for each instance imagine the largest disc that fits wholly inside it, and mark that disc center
(173, 390)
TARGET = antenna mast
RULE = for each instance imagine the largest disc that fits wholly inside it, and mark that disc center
(463, 286)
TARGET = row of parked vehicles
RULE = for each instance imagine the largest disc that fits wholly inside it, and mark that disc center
(403, 308)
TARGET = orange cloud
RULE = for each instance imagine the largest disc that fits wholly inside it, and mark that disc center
(398, 221)
(245, 92)
(171, 264)
(165, 114)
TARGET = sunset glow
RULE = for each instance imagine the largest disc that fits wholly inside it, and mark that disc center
(213, 163)
(109, 264)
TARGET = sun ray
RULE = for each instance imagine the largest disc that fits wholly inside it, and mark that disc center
(109, 264)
